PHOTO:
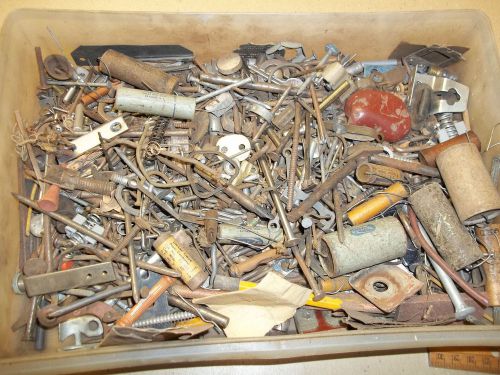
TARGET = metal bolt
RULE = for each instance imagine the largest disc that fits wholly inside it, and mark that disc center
(291, 238)
(292, 173)
(462, 310)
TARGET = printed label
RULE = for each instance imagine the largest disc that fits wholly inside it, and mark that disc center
(178, 259)
(363, 229)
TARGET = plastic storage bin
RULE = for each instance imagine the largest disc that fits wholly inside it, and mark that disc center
(370, 35)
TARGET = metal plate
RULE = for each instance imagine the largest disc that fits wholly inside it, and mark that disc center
(90, 140)
(445, 87)
(385, 286)
(73, 278)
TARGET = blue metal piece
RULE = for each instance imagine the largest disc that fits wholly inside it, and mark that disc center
(383, 66)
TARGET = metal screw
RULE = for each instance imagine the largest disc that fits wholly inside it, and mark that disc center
(292, 173)
(167, 318)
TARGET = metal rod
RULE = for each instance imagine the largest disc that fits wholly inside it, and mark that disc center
(88, 300)
(65, 220)
(78, 83)
(132, 262)
(223, 89)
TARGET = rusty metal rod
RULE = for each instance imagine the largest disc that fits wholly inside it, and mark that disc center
(322, 190)
(65, 220)
(412, 167)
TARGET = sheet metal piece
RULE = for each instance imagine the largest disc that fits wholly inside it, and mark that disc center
(87, 325)
(444, 89)
(74, 278)
(386, 286)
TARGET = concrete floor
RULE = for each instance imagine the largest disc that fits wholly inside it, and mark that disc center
(413, 363)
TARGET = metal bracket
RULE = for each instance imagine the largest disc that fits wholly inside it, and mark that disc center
(87, 325)
(386, 286)
(74, 278)
(449, 95)
(90, 140)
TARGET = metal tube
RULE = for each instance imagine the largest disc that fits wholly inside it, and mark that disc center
(413, 167)
(132, 261)
(334, 95)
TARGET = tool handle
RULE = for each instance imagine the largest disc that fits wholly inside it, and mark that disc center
(138, 309)
(250, 264)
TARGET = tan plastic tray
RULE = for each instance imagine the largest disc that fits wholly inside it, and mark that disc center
(370, 35)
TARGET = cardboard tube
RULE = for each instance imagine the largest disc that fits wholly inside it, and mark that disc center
(429, 155)
(365, 245)
(468, 182)
(440, 221)
(136, 73)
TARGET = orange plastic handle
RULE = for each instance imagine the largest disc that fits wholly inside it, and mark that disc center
(138, 309)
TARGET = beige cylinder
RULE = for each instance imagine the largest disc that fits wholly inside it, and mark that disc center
(468, 182)
(155, 103)
(374, 174)
(452, 240)
(172, 248)
(364, 245)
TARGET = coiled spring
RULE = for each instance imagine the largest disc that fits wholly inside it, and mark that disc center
(446, 122)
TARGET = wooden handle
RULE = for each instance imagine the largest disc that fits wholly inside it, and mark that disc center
(251, 263)
(138, 309)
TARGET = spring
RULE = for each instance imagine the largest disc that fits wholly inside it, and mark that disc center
(167, 318)
(157, 138)
(446, 122)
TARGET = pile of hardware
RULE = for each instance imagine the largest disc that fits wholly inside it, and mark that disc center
(265, 192)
